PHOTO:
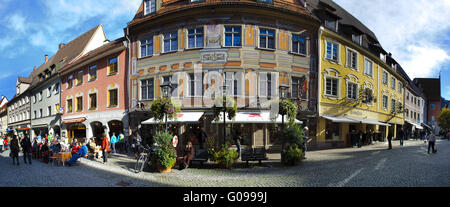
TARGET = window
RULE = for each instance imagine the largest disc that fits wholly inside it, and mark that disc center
(368, 67)
(113, 98)
(331, 87)
(298, 87)
(433, 107)
(332, 51)
(79, 103)
(400, 87)
(352, 59)
(406, 113)
(356, 38)
(195, 37)
(265, 84)
(196, 84)
(393, 105)
(70, 82)
(40, 113)
(49, 112)
(69, 106)
(147, 47)
(352, 91)
(35, 114)
(113, 67)
(56, 88)
(170, 42)
(331, 23)
(385, 78)
(196, 1)
(267, 38)
(407, 96)
(233, 36)
(92, 72)
(173, 83)
(393, 83)
(385, 102)
(49, 92)
(92, 101)
(265, 1)
(79, 78)
(232, 81)
(298, 44)
(40, 96)
(147, 90)
(149, 6)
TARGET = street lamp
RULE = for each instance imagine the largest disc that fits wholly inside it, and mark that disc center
(283, 95)
(166, 88)
(224, 99)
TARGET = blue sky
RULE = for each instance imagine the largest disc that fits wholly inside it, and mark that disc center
(416, 32)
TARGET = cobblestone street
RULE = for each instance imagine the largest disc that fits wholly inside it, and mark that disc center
(372, 165)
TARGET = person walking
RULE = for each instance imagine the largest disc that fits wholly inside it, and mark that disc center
(26, 149)
(359, 137)
(389, 140)
(15, 150)
(401, 133)
(121, 143)
(105, 147)
(431, 142)
(114, 141)
(1, 144)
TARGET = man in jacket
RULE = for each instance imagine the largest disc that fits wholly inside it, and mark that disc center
(80, 153)
(105, 147)
(15, 150)
(114, 141)
(26, 148)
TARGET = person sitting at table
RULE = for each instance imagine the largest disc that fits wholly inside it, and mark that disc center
(76, 148)
(189, 154)
(80, 153)
(35, 149)
(45, 151)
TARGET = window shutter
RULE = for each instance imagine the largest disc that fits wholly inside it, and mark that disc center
(263, 84)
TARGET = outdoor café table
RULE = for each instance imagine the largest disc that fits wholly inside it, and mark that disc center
(65, 156)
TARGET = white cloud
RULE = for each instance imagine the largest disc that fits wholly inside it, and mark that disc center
(411, 30)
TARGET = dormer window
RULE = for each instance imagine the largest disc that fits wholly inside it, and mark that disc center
(149, 6)
(331, 23)
(265, 1)
(357, 38)
(196, 1)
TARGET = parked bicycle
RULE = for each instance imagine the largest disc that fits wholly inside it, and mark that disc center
(143, 159)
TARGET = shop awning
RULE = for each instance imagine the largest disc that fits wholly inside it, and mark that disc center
(415, 125)
(425, 125)
(23, 129)
(254, 118)
(73, 121)
(183, 117)
(369, 121)
(339, 119)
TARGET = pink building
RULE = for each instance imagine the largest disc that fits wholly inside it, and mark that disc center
(94, 90)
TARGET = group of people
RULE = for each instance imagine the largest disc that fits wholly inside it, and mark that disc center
(359, 138)
(4, 140)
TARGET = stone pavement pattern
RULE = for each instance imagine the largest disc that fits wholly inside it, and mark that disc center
(373, 165)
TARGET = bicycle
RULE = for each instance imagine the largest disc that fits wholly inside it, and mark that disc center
(144, 158)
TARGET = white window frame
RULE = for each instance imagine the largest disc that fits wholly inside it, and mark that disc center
(332, 42)
(385, 102)
(170, 38)
(267, 38)
(387, 78)
(141, 86)
(195, 34)
(337, 76)
(353, 93)
(232, 36)
(400, 87)
(349, 63)
(393, 83)
(148, 42)
(366, 69)
(292, 44)
(152, 3)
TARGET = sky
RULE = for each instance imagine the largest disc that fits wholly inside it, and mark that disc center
(416, 32)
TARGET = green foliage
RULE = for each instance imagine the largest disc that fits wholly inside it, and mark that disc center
(444, 119)
(293, 155)
(292, 135)
(225, 157)
(289, 109)
(162, 106)
(211, 147)
(218, 107)
(166, 154)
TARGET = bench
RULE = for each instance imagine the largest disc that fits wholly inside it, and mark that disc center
(253, 154)
(201, 155)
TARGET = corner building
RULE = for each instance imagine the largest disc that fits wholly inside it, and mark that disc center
(359, 90)
(250, 46)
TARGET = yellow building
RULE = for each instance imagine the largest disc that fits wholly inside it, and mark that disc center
(358, 89)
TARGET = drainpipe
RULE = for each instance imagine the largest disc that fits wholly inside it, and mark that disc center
(127, 74)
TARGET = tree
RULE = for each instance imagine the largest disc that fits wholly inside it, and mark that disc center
(444, 119)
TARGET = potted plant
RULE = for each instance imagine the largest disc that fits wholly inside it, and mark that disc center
(291, 138)
(225, 156)
(165, 156)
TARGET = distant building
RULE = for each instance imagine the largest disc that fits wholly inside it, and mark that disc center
(19, 108)
(432, 91)
(3, 116)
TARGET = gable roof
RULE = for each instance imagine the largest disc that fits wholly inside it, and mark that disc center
(65, 54)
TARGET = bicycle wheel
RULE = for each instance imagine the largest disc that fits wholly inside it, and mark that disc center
(140, 163)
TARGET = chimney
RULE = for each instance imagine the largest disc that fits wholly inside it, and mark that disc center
(46, 58)
(61, 45)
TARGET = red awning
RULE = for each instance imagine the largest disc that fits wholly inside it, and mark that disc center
(23, 129)
(73, 121)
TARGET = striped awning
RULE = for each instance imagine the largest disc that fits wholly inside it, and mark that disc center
(73, 121)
